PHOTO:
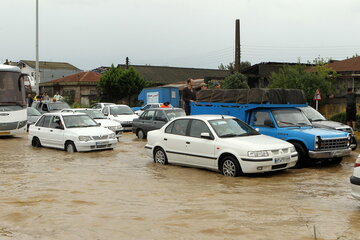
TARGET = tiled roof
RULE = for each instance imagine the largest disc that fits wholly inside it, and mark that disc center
(347, 65)
(50, 65)
(79, 77)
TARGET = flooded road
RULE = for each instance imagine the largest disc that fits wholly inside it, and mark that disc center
(122, 194)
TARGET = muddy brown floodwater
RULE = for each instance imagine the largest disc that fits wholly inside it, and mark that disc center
(122, 194)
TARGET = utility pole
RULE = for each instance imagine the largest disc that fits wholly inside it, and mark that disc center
(237, 46)
(37, 74)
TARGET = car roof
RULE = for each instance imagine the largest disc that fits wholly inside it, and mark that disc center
(119, 105)
(64, 114)
(207, 117)
(165, 109)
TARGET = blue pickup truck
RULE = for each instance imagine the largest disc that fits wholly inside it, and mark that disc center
(286, 122)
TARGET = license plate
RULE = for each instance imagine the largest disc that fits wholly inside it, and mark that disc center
(4, 133)
(101, 144)
(282, 160)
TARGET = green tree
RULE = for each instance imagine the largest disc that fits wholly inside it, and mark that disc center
(116, 84)
(235, 81)
(231, 66)
(305, 78)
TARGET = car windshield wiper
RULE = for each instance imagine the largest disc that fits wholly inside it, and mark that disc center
(232, 135)
(289, 123)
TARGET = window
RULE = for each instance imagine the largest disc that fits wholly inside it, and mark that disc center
(45, 107)
(106, 110)
(148, 115)
(46, 121)
(40, 122)
(197, 127)
(180, 126)
(169, 128)
(262, 119)
(55, 122)
(160, 116)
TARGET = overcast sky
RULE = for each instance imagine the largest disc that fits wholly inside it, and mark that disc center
(179, 33)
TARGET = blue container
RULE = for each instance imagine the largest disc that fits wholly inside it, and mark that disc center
(160, 95)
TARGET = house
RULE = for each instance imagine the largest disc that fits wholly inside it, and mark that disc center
(76, 88)
(48, 70)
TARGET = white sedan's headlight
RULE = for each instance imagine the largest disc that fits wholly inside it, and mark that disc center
(112, 135)
(258, 154)
(84, 138)
(292, 149)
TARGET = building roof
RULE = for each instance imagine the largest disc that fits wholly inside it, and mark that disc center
(347, 65)
(79, 77)
(50, 65)
(166, 75)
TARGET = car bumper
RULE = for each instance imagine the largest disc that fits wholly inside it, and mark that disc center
(266, 165)
(149, 150)
(355, 187)
(95, 145)
(330, 154)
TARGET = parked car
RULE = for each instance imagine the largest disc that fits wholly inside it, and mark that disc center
(355, 179)
(100, 118)
(101, 105)
(120, 113)
(49, 106)
(32, 116)
(154, 118)
(220, 143)
(71, 132)
(147, 106)
(319, 121)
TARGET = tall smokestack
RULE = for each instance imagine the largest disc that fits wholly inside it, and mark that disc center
(237, 46)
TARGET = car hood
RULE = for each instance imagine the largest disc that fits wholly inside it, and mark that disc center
(256, 142)
(89, 131)
(107, 122)
(330, 124)
(124, 117)
(323, 132)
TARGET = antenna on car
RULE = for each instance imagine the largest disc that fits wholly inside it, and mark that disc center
(222, 116)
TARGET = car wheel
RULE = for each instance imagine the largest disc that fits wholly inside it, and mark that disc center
(70, 147)
(141, 134)
(230, 167)
(303, 159)
(160, 156)
(36, 142)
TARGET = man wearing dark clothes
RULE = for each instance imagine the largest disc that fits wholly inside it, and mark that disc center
(188, 95)
(351, 108)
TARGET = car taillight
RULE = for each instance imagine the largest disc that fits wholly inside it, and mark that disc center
(357, 164)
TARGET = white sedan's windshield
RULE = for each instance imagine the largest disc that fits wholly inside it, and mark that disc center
(76, 121)
(290, 118)
(232, 127)
(121, 110)
(95, 114)
(312, 114)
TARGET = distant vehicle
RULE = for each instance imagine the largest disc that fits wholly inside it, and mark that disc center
(100, 106)
(318, 120)
(154, 118)
(13, 117)
(220, 143)
(147, 106)
(49, 106)
(32, 116)
(120, 113)
(99, 117)
(71, 132)
(355, 179)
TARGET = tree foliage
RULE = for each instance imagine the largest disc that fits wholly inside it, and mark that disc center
(117, 83)
(231, 66)
(305, 78)
(235, 81)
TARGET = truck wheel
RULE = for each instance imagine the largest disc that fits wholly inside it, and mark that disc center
(303, 158)
(230, 167)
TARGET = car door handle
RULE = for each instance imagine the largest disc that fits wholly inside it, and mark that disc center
(165, 139)
(38, 128)
(51, 130)
(187, 142)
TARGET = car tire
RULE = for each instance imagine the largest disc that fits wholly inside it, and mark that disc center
(230, 167)
(303, 158)
(70, 147)
(141, 134)
(36, 142)
(160, 156)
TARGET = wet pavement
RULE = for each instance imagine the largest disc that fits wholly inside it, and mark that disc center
(121, 194)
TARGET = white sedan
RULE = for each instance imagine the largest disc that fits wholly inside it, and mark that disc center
(355, 180)
(220, 143)
(71, 132)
